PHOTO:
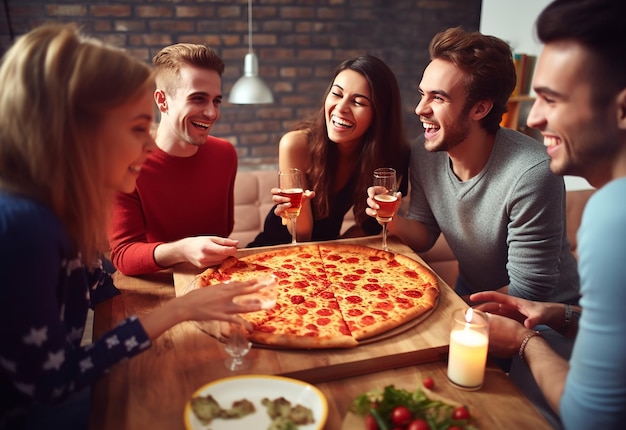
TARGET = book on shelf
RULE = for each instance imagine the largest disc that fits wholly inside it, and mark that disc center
(524, 69)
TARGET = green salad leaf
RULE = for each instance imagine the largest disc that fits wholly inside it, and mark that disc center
(380, 404)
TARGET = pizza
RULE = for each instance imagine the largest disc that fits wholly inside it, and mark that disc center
(330, 295)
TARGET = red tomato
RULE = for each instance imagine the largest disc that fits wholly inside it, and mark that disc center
(429, 382)
(401, 415)
(460, 413)
(418, 424)
(455, 428)
(370, 422)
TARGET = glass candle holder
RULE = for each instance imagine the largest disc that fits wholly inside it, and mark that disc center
(469, 340)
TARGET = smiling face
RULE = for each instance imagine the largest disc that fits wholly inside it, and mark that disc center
(125, 132)
(191, 110)
(581, 138)
(442, 107)
(348, 108)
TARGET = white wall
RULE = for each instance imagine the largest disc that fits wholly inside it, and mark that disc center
(514, 22)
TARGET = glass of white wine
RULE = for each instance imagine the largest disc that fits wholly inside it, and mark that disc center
(386, 198)
(290, 184)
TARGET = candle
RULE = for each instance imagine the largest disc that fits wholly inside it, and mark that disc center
(469, 339)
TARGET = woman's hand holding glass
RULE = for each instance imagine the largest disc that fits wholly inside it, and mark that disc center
(283, 203)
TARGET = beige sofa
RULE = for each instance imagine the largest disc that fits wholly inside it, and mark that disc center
(253, 201)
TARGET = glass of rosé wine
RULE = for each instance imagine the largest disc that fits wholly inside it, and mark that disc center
(386, 198)
(290, 184)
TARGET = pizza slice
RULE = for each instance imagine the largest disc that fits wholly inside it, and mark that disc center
(233, 269)
(315, 323)
(298, 271)
(377, 293)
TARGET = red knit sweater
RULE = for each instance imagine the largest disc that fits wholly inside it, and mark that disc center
(176, 197)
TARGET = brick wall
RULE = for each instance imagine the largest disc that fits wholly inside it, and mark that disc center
(298, 43)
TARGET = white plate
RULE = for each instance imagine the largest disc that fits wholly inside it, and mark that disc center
(254, 388)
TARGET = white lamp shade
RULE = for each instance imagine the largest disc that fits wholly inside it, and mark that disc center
(250, 89)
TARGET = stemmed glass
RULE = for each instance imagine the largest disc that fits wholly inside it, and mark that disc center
(237, 346)
(385, 197)
(290, 184)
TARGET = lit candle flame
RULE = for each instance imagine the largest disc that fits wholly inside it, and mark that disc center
(469, 315)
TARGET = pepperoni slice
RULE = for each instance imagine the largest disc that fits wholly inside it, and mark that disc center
(296, 300)
(354, 299)
(371, 287)
(411, 274)
(368, 320)
(415, 294)
(323, 322)
(355, 312)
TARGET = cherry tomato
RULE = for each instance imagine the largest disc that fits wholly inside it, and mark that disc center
(455, 428)
(429, 382)
(460, 413)
(418, 424)
(370, 422)
(401, 415)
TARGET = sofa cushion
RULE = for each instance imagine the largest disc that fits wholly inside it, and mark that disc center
(253, 201)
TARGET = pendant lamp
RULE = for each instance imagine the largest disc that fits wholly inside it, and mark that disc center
(250, 89)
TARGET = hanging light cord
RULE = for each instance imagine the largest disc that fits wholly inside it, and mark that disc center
(250, 26)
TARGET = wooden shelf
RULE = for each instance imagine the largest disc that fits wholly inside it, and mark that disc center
(511, 118)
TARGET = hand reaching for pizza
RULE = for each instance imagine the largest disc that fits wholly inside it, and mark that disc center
(203, 304)
(220, 303)
(201, 251)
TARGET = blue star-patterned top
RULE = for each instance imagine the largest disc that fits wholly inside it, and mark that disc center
(45, 292)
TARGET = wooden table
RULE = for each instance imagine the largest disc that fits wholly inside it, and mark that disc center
(150, 390)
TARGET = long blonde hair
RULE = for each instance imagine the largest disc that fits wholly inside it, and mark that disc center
(56, 85)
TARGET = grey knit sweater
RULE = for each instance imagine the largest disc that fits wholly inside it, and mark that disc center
(506, 225)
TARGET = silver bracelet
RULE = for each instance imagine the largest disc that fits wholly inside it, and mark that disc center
(525, 342)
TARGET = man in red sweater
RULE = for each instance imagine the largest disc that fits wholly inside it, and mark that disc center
(182, 209)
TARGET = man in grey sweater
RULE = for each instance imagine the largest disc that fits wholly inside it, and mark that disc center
(488, 190)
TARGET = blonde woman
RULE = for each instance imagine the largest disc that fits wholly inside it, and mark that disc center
(74, 130)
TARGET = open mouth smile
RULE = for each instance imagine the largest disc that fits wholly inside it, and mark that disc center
(340, 122)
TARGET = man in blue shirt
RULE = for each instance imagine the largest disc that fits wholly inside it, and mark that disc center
(580, 110)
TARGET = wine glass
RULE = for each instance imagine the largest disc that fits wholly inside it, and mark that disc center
(290, 184)
(385, 197)
(237, 346)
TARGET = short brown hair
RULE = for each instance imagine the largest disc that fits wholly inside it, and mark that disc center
(170, 59)
(488, 63)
